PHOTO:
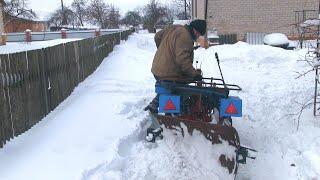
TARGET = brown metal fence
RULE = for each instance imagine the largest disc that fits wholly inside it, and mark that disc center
(228, 38)
(33, 83)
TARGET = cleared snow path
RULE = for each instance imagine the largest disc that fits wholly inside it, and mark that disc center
(271, 96)
(97, 133)
(88, 128)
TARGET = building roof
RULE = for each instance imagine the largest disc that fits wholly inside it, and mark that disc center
(8, 16)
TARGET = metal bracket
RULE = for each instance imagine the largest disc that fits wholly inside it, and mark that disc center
(243, 153)
(153, 134)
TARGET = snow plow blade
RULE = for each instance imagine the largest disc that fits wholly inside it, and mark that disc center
(213, 132)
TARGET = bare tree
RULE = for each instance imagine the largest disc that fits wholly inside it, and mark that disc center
(98, 12)
(132, 18)
(56, 18)
(183, 8)
(113, 17)
(79, 8)
(153, 12)
(15, 9)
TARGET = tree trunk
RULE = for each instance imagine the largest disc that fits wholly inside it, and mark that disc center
(1, 23)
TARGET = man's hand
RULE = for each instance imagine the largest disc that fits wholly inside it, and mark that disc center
(203, 42)
(199, 71)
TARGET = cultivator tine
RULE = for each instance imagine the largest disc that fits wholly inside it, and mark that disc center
(212, 132)
(243, 153)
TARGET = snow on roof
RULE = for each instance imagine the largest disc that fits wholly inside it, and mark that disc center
(212, 35)
(181, 22)
(310, 22)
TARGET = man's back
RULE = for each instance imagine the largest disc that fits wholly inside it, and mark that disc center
(174, 57)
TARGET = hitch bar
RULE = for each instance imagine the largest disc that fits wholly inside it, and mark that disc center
(243, 153)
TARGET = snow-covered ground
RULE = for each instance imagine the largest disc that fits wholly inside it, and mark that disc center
(13, 47)
(97, 133)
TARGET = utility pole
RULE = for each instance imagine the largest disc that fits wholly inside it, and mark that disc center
(64, 18)
(185, 9)
(2, 3)
(318, 33)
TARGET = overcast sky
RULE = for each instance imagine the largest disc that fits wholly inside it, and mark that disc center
(44, 7)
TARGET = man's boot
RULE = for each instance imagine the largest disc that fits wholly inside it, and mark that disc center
(153, 105)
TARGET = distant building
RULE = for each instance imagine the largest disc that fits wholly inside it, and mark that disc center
(230, 16)
(21, 24)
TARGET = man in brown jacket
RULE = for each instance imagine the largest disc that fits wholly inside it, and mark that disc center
(174, 57)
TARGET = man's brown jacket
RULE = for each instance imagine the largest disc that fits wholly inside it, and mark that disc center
(174, 57)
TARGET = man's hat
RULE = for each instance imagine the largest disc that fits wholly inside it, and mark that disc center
(200, 25)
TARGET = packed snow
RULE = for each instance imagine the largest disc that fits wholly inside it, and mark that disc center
(98, 132)
(14, 47)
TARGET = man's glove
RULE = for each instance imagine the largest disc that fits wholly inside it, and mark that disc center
(198, 77)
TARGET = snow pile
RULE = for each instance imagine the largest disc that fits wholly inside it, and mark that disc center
(272, 99)
(276, 39)
(14, 47)
(174, 157)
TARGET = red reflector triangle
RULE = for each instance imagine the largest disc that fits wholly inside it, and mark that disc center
(231, 109)
(170, 105)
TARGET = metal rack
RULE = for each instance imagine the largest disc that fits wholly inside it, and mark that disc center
(316, 104)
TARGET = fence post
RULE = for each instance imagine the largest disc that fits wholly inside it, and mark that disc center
(63, 33)
(28, 35)
(97, 32)
(4, 38)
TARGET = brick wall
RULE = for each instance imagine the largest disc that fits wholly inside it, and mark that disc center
(241, 16)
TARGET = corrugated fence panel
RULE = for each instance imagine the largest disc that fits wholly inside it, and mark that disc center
(35, 82)
(44, 36)
(254, 37)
